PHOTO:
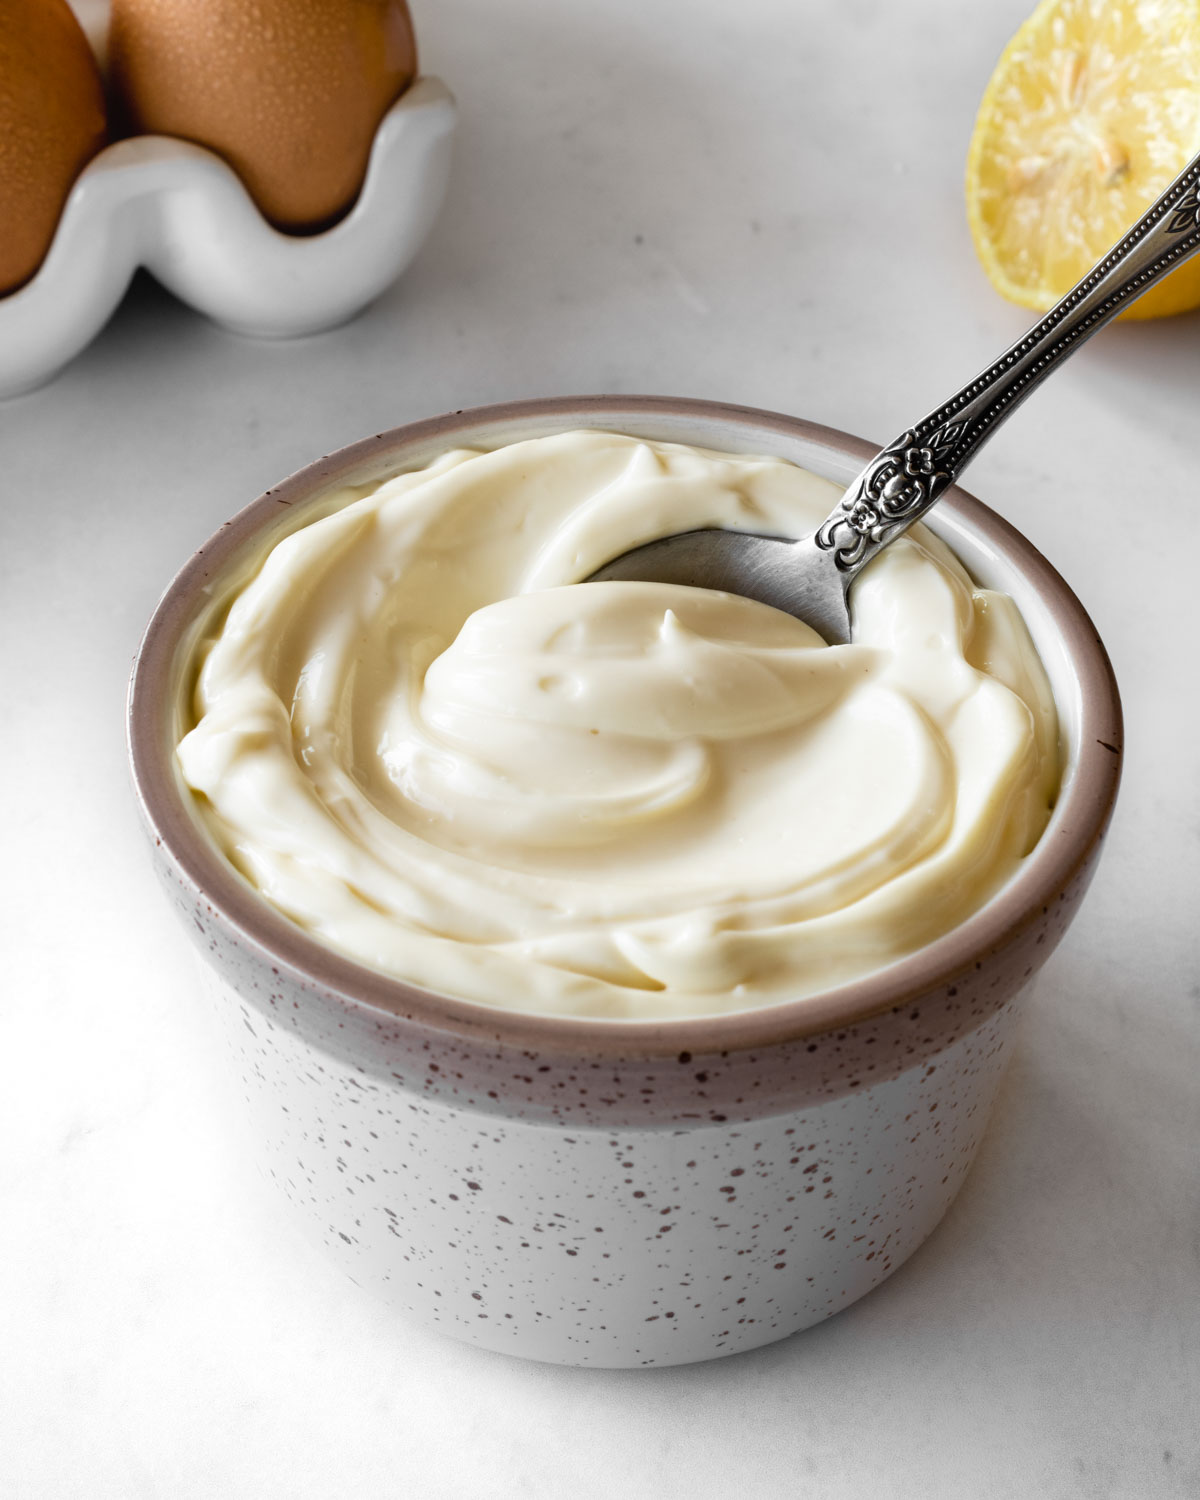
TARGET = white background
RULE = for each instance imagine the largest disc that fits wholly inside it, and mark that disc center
(758, 201)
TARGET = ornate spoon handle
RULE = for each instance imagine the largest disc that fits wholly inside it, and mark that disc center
(901, 483)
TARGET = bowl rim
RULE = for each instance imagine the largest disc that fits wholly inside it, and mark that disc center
(1080, 818)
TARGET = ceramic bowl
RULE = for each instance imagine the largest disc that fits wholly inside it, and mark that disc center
(620, 1193)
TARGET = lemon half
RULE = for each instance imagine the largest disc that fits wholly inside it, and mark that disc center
(1093, 110)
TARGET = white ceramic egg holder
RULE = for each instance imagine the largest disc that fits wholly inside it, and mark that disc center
(182, 212)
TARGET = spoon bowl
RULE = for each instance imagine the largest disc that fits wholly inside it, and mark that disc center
(792, 575)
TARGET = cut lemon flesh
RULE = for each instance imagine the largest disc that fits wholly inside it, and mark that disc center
(1093, 110)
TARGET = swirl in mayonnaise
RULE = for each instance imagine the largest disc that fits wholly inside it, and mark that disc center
(422, 739)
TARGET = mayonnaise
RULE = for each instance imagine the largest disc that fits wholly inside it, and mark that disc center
(423, 740)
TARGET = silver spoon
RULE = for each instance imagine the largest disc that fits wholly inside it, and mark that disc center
(810, 577)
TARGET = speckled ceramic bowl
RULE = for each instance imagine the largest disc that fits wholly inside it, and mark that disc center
(608, 1192)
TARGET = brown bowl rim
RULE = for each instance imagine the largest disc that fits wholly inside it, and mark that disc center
(1079, 820)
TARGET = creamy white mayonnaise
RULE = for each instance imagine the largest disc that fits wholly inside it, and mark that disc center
(422, 739)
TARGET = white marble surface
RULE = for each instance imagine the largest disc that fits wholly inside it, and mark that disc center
(759, 202)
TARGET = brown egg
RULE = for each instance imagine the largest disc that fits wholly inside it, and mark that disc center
(289, 92)
(51, 124)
